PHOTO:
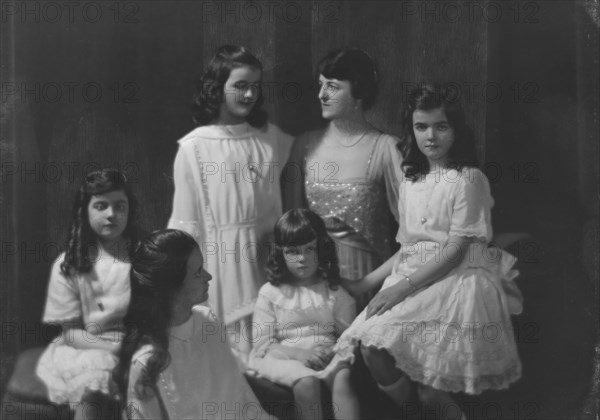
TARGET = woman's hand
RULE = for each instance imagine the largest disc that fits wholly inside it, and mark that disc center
(387, 299)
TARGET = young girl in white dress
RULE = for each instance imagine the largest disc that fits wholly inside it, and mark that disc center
(88, 295)
(175, 362)
(442, 317)
(300, 314)
(227, 190)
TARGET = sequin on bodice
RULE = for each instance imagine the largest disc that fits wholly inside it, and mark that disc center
(360, 206)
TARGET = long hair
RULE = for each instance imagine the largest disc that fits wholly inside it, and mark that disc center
(298, 227)
(158, 270)
(426, 98)
(356, 66)
(209, 93)
(81, 238)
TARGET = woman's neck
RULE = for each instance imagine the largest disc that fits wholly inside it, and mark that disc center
(347, 127)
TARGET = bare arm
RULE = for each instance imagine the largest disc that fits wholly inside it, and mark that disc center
(83, 339)
(453, 253)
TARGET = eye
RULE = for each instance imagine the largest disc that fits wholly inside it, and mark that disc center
(290, 251)
(443, 127)
(420, 127)
(100, 206)
(311, 249)
(240, 85)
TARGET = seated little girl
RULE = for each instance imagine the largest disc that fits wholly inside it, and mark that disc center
(175, 362)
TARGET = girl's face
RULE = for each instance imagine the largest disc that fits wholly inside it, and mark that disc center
(302, 261)
(434, 135)
(195, 284)
(240, 93)
(108, 214)
(336, 98)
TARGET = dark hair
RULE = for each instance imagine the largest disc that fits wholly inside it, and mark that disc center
(298, 227)
(81, 238)
(209, 90)
(356, 66)
(158, 269)
(426, 98)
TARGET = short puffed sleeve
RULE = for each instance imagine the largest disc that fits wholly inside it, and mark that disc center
(471, 215)
(64, 300)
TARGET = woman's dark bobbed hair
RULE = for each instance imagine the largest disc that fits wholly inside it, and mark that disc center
(356, 66)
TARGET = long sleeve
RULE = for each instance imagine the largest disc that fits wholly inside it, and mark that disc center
(138, 408)
(185, 215)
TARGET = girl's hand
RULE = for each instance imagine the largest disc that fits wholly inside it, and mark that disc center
(387, 299)
(320, 358)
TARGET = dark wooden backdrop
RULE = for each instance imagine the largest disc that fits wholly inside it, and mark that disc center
(526, 72)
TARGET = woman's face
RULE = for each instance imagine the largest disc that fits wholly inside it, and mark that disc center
(240, 93)
(195, 284)
(434, 135)
(336, 98)
(108, 214)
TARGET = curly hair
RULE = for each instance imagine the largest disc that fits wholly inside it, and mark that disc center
(81, 238)
(158, 270)
(209, 93)
(298, 227)
(356, 66)
(426, 98)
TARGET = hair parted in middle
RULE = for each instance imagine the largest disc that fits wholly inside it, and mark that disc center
(298, 227)
(209, 93)
(355, 66)
(427, 97)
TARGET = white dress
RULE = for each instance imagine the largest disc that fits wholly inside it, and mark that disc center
(99, 303)
(202, 380)
(227, 195)
(456, 334)
(303, 317)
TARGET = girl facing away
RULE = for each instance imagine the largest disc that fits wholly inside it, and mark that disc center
(88, 294)
(227, 191)
(300, 314)
(442, 317)
(175, 362)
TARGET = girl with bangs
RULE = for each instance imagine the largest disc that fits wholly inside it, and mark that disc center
(301, 313)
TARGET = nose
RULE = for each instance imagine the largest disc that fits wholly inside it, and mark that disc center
(323, 95)
(250, 92)
(110, 211)
(430, 133)
(207, 275)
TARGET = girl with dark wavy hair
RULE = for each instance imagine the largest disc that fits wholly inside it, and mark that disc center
(227, 191)
(300, 314)
(446, 289)
(88, 293)
(175, 362)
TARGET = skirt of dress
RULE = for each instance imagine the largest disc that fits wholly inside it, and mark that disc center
(70, 373)
(455, 335)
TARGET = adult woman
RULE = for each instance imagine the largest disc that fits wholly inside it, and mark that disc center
(351, 170)
(175, 362)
